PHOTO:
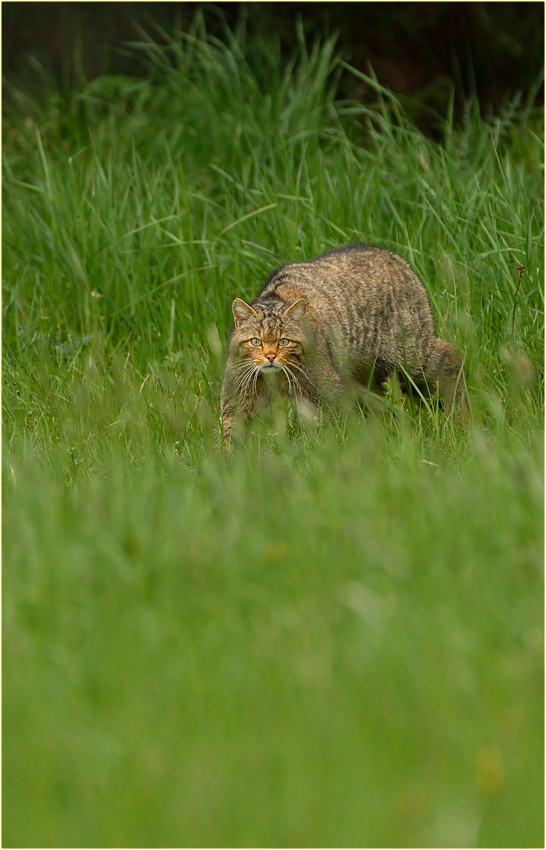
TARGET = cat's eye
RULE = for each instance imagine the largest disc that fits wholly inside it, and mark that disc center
(255, 341)
(284, 341)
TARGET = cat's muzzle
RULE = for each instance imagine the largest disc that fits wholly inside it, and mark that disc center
(270, 368)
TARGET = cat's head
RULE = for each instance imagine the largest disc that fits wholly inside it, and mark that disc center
(269, 333)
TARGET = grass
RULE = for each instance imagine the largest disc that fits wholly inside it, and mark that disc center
(334, 637)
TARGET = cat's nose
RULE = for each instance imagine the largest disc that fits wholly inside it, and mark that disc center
(271, 357)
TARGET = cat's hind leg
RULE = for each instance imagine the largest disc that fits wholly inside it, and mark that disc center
(445, 369)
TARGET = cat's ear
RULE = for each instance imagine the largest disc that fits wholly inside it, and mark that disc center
(296, 310)
(242, 311)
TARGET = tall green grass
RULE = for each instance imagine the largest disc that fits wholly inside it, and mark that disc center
(334, 637)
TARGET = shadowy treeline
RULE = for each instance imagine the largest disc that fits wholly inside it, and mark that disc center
(422, 51)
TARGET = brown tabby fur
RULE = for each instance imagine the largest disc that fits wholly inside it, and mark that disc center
(352, 316)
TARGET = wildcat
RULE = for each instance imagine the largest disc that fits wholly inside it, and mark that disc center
(351, 316)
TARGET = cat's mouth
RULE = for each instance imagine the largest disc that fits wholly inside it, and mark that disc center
(267, 366)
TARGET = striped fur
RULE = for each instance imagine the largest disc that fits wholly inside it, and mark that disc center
(353, 316)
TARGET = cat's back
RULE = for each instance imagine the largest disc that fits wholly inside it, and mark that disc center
(364, 273)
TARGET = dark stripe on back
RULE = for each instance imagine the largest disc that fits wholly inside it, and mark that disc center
(277, 277)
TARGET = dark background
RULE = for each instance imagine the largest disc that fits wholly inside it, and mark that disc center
(420, 50)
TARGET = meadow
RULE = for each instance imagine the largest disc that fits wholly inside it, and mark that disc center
(333, 637)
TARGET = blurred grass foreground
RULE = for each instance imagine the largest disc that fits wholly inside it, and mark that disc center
(335, 637)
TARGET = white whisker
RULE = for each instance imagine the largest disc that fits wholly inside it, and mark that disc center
(295, 379)
(255, 381)
(251, 374)
(246, 364)
(295, 365)
(287, 378)
(246, 377)
(241, 379)
(292, 381)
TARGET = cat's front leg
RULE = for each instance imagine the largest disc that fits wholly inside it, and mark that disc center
(225, 439)
(307, 409)
(232, 420)
(230, 414)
